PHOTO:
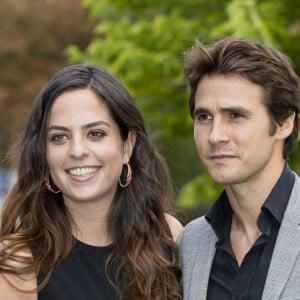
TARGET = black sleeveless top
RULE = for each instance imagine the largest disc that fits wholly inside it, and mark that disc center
(82, 275)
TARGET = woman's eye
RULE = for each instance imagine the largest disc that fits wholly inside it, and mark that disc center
(58, 138)
(96, 134)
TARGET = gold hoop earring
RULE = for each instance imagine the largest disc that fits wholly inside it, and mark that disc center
(49, 187)
(128, 176)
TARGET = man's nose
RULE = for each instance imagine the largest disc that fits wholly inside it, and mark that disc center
(218, 132)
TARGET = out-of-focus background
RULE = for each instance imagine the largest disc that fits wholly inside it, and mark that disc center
(142, 43)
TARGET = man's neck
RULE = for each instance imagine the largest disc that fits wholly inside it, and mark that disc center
(246, 200)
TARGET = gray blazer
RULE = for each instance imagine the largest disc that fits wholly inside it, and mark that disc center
(197, 250)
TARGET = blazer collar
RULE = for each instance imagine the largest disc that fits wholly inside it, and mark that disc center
(202, 265)
(287, 247)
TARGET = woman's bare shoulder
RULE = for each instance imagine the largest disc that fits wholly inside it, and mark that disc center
(175, 226)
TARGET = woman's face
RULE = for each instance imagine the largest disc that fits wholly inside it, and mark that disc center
(85, 152)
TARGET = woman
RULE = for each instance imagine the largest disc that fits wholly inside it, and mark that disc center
(85, 219)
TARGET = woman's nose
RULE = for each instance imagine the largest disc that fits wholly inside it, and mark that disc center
(78, 148)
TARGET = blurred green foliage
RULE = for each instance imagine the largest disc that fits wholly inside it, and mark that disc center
(142, 42)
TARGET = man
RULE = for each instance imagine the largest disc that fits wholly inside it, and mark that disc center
(244, 99)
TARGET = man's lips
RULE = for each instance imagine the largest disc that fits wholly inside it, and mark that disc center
(221, 158)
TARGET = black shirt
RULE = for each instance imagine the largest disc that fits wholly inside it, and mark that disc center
(227, 279)
(81, 276)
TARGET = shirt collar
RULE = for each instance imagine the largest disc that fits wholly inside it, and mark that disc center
(279, 197)
(220, 214)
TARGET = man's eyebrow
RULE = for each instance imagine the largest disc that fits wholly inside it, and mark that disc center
(200, 110)
(85, 126)
(229, 109)
(236, 109)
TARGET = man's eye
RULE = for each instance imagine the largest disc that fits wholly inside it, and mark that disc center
(235, 115)
(204, 117)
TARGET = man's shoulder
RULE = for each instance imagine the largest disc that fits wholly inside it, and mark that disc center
(198, 224)
(194, 230)
(297, 178)
(293, 208)
(296, 188)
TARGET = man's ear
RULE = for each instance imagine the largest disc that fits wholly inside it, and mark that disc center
(129, 146)
(286, 127)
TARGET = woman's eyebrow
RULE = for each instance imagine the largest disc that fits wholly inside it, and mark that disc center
(94, 124)
(85, 126)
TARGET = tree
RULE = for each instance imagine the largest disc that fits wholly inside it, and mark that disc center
(33, 36)
(142, 43)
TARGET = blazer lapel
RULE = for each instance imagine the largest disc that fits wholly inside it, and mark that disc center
(202, 266)
(286, 249)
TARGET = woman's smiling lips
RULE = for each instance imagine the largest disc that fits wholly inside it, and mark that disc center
(82, 173)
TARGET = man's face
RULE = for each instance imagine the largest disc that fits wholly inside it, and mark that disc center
(232, 130)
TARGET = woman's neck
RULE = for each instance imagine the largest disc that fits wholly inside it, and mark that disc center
(90, 224)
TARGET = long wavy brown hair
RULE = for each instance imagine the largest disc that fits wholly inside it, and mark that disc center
(34, 218)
